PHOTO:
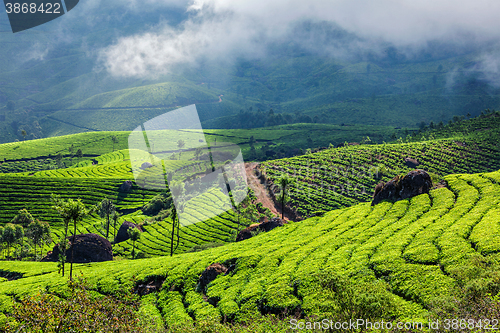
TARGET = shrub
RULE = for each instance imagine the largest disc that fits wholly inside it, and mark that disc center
(349, 299)
(82, 310)
(160, 202)
(204, 246)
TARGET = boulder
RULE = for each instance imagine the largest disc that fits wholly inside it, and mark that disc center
(122, 234)
(88, 248)
(146, 165)
(210, 273)
(246, 233)
(149, 287)
(264, 226)
(414, 183)
(271, 224)
(126, 186)
(411, 162)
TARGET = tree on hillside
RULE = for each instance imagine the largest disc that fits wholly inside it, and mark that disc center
(284, 183)
(19, 237)
(72, 211)
(106, 209)
(181, 143)
(197, 152)
(23, 218)
(38, 232)
(11, 105)
(79, 154)
(114, 138)
(63, 242)
(175, 225)
(134, 235)
(115, 216)
(23, 133)
(1, 239)
(9, 236)
(177, 191)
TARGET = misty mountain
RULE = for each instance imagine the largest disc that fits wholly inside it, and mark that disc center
(110, 65)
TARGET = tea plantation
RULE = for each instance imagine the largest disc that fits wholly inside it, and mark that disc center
(410, 250)
(336, 178)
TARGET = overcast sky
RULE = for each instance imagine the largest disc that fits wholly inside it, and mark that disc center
(226, 29)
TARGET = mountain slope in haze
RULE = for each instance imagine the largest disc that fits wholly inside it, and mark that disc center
(290, 79)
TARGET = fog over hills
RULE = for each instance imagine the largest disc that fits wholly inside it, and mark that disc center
(389, 63)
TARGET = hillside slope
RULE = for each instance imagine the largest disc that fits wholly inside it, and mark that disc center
(409, 251)
(341, 177)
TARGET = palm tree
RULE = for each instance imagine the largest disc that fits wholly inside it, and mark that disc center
(72, 210)
(79, 154)
(1, 239)
(115, 216)
(134, 235)
(175, 225)
(63, 243)
(106, 208)
(114, 138)
(19, 236)
(284, 183)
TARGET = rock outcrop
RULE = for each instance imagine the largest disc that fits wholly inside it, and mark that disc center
(210, 273)
(149, 287)
(414, 183)
(146, 165)
(122, 234)
(126, 186)
(264, 226)
(88, 248)
(411, 162)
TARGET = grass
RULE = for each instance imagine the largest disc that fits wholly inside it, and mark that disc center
(341, 177)
(407, 251)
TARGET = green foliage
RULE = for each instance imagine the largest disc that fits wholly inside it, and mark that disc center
(160, 202)
(349, 300)
(23, 218)
(106, 209)
(38, 232)
(204, 246)
(9, 236)
(341, 177)
(390, 261)
(135, 235)
(70, 211)
(79, 311)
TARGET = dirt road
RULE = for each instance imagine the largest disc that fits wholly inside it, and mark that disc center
(260, 190)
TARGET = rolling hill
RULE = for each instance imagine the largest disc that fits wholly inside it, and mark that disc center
(341, 177)
(407, 254)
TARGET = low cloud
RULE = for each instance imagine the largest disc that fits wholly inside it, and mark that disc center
(223, 30)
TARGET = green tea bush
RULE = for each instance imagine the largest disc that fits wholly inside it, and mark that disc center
(81, 311)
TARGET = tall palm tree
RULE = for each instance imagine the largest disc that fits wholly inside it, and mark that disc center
(284, 182)
(134, 235)
(75, 211)
(106, 208)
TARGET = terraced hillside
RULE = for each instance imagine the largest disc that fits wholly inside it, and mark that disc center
(341, 177)
(203, 221)
(409, 251)
(35, 155)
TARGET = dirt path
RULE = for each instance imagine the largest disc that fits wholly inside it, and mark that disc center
(260, 190)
